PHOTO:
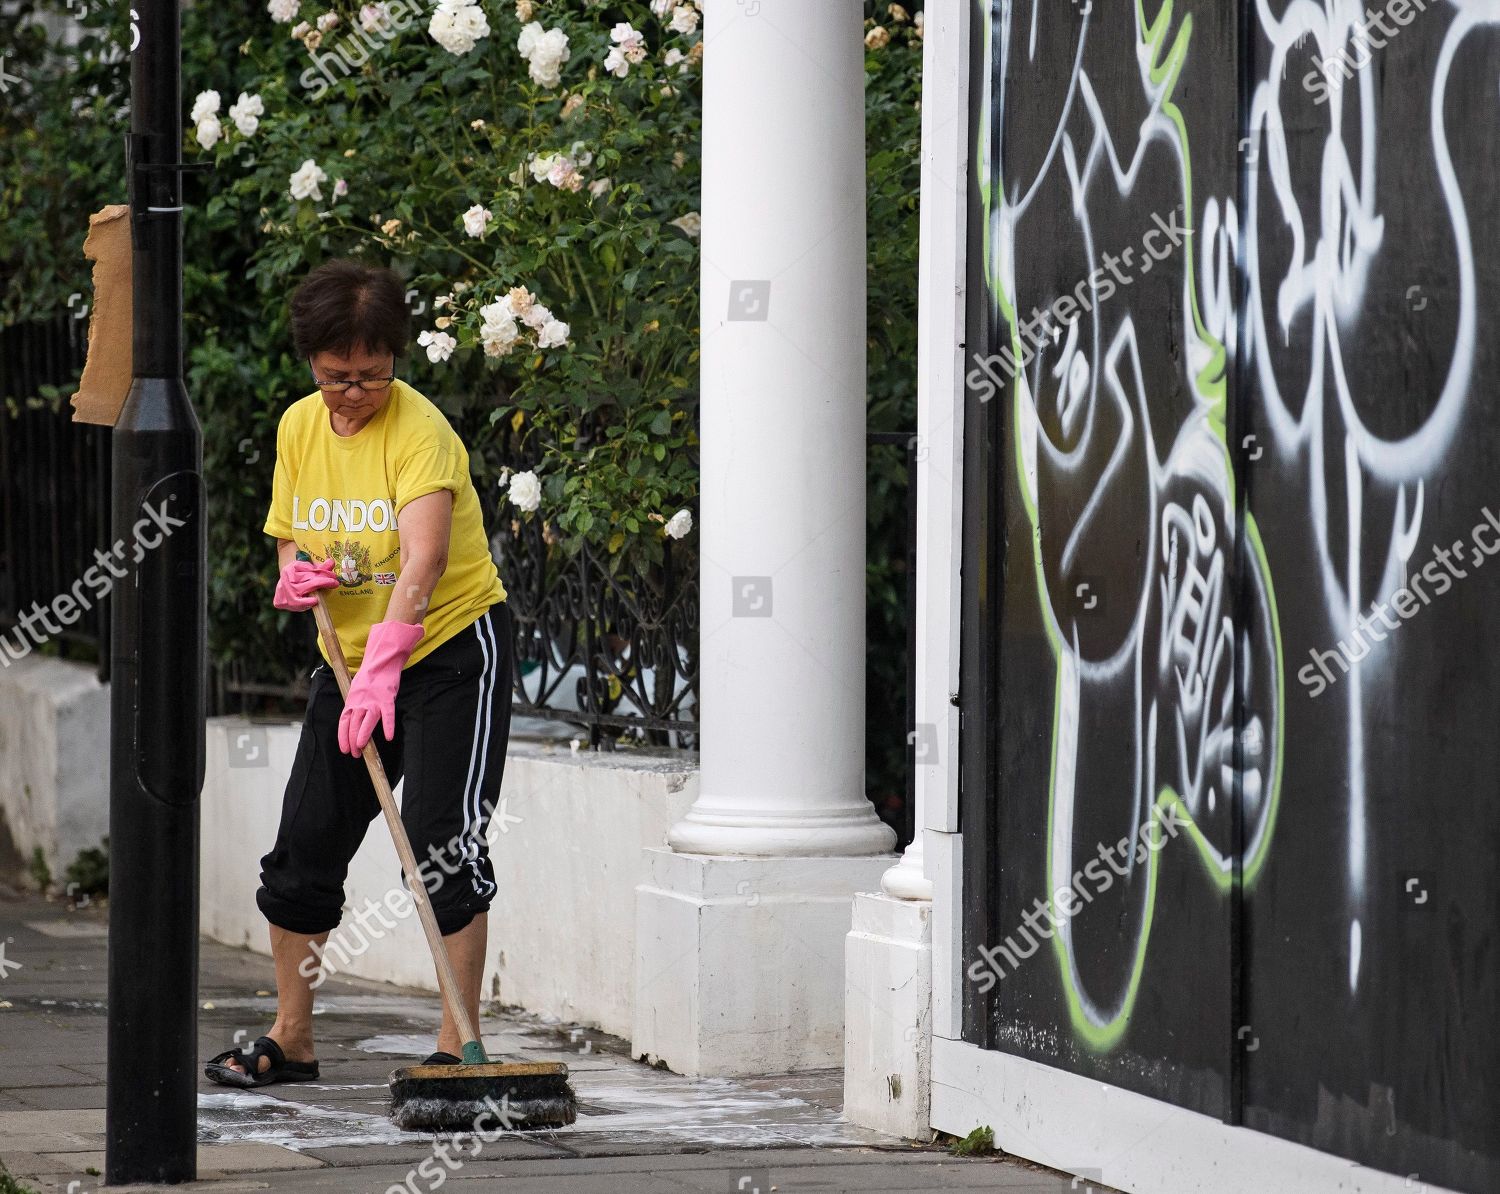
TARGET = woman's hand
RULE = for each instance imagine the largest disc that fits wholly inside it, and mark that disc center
(299, 584)
(372, 692)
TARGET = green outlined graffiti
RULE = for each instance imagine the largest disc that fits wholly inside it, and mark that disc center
(1172, 643)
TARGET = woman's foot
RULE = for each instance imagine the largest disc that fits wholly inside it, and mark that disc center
(293, 1049)
(264, 1062)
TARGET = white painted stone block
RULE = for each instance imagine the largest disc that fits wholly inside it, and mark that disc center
(54, 759)
(740, 962)
(888, 1016)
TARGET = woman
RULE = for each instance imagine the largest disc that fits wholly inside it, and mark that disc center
(373, 484)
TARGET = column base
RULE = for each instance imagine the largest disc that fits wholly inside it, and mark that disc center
(834, 833)
(888, 1017)
(740, 961)
(907, 880)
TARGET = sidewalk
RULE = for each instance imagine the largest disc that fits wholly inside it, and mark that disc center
(639, 1130)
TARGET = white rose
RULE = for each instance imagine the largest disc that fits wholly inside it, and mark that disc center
(660, 8)
(209, 131)
(472, 19)
(373, 17)
(692, 223)
(536, 316)
(282, 11)
(246, 112)
(340, 188)
(599, 186)
(499, 336)
(541, 165)
(439, 345)
(679, 524)
(530, 35)
(547, 57)
(495, 312)
(615, 63)
(305, 181)
(477, 220)
(684, 19)
(327, 21)
(554, 334)
(501, 308)
(206, 103)
(457, 25)
(525, 491)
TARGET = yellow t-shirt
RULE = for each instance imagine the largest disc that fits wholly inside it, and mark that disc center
(339, 496)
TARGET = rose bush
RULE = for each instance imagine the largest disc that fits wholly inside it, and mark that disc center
(531, 169)
(502, 157)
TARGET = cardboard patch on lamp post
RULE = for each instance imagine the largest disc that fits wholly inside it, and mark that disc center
(109, 368)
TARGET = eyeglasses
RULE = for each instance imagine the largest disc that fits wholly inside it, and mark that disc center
(368, 384)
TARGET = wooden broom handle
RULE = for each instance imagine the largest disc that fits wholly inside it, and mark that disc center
(446, 978)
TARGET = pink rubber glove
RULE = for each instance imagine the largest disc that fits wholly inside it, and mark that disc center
(372, 692)
(299, 584)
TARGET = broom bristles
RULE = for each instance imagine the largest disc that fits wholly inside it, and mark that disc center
(474, 1098)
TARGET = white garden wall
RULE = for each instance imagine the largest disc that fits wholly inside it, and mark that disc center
(54, 760)
(567, 844)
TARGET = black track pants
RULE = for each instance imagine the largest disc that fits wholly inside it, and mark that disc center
(452, 726)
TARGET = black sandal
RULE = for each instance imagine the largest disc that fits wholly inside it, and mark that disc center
(280, 1069)
(443, 1059)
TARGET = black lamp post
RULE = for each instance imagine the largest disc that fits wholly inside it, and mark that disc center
(158, 660)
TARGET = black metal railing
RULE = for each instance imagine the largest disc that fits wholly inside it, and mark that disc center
(54, 497)
(612, 653)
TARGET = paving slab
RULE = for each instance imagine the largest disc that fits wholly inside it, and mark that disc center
(18, 1123)
(510, 1148)
(32, 1164)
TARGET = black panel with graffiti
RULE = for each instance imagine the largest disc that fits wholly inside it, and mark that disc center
(1232, 653)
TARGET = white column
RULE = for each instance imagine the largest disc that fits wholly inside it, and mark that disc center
(782, 507)
(741, 923)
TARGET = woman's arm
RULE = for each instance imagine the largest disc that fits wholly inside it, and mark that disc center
(425, 525)
(286, 552)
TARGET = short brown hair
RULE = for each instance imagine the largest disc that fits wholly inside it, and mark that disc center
(345, 304)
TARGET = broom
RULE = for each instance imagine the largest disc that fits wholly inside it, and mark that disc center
(453, 1097)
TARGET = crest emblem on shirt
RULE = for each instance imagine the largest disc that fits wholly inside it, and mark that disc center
(351, 562)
